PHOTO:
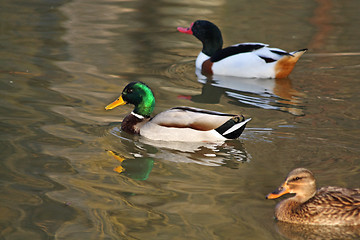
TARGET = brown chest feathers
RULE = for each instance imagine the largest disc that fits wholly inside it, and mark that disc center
(132, 124)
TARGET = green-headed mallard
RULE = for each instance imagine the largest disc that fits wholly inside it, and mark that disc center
(326, 206)
(176, 124)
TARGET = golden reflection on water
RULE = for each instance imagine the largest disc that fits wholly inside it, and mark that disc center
(135, 168)
(118, 204)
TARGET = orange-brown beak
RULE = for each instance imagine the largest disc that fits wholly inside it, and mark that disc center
(283, 189)
(118, 102)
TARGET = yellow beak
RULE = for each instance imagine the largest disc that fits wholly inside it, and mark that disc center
(118, 102)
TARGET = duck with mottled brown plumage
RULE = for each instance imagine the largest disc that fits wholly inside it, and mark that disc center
(326, 206)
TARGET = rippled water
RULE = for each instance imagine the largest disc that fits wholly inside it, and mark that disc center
(62, 62)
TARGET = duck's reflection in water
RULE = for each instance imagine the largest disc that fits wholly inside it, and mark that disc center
(230, 153)
(135, 168)
(318, 232)
(275, 94)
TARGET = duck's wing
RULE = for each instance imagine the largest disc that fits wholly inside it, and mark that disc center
(236, 49)
(336, 201)
(193, 125)
(270, 55)
(337, 195)
(333, 206)
(260, 49)
(188, 117)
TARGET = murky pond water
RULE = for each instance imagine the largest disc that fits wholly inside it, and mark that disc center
(62, 62)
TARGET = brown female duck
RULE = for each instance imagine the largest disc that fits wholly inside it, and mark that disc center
(326, 206)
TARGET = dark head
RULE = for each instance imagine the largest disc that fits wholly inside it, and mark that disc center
(299, 181)
(138, 94)
(208, 33)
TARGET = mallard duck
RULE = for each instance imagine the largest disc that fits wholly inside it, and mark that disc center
(176, 124)
(326, 206)
(250, 60)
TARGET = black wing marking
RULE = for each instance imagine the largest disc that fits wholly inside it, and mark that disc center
(280, 52)
(198, 110)
(267, 60)
(236, 49)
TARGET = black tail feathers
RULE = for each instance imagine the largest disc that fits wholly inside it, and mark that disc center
(233, 128)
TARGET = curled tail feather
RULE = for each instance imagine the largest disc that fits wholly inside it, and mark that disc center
(233, 127)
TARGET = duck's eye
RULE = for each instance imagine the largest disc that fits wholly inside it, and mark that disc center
(297, 178)
(130, 90)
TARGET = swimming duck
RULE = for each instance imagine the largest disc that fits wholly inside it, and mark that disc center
(250, 60)
(326, 206)
(176, 124)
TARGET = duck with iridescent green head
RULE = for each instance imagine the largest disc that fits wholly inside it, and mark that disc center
(185, 124)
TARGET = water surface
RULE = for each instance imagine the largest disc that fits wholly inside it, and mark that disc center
(64, 61)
